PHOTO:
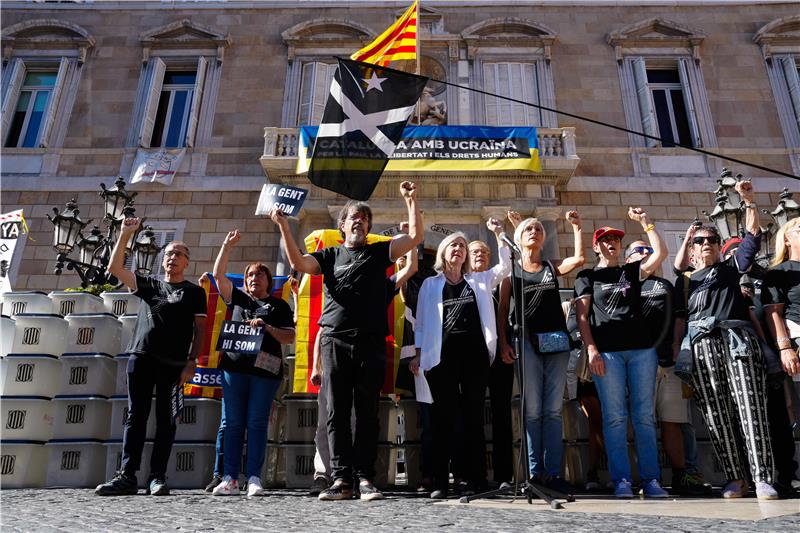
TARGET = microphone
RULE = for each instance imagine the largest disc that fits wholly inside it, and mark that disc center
(511, 244)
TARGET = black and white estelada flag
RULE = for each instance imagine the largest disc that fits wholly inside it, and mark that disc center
(364, 119)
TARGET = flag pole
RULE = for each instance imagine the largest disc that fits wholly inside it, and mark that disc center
(418, 69)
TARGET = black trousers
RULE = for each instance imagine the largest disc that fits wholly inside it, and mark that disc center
(354, 368)
(501, 382)
(144, 375)
(780, 431)
(458, 384)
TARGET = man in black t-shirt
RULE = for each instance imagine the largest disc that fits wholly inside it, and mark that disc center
(163, 351)
(354, 328)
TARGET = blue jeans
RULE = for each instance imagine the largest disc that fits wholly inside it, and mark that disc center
(248, 402)
(545, 378)
(220, 441)
(629, 374)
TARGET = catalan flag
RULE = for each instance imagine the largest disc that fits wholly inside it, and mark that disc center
(399, 41)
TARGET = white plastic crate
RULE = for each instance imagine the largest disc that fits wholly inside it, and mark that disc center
(88, 373)
(6, 335)
(67, 302)
(16, 303)
(114, 460)
(191, 464)
(120, 303)
(121, 381)
(75, 463)
(301, 419)
(29, 374)
(409, 421)
(93, 332)
(23, 463)
(81, 417)
(119, 413)
(27, 417)
(199, 419)
(128, 322)
(39, 333)
(389, 416)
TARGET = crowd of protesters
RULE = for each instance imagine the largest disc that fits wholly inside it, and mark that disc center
(630, 347)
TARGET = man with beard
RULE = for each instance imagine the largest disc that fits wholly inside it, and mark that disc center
(166, 339)
(353, 331)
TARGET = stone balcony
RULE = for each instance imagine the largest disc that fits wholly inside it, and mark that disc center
(557, 151)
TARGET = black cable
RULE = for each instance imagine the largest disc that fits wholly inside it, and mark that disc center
(619, 128)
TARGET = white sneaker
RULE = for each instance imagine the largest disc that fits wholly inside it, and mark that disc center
(254, 487)
(765, 491)
(228, 487)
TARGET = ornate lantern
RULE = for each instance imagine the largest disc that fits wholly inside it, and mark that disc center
(67, 227)
(787, 209)
(89, 246)
(146, 250)
(727, 184)
(725, 217)
(116, 199)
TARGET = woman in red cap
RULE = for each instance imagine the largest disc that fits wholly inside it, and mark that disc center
(621, 355)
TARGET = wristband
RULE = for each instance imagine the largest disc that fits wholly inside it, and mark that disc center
(649, 228)
(786, 348)
(750, 206)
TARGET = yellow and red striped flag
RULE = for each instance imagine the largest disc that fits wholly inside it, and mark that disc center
(399, 41)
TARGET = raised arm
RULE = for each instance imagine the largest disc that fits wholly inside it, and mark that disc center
(682, 257)
(221, 265)
(503, 268)
(117, 264)
(298, 261)
(407, 271)
(402, 244)
(752, 221)
(567, 265)
(651, 264)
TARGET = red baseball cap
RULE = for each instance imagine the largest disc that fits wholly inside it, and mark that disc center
(606, 230)
(730, 245)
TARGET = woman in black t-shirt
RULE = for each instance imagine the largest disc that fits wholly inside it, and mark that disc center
(545, 344)
(780, 296)
(728, 372)
(621, 355)
(249, 382)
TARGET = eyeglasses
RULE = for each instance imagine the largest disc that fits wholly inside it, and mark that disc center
(172, 253)
(640, 250)
(711, 239)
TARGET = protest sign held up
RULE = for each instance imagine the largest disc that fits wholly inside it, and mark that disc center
(284, 197)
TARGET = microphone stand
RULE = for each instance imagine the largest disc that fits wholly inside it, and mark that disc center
(530, 488)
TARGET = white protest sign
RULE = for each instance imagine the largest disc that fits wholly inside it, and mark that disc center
(12, 226)
(284, 197)
(157, 165)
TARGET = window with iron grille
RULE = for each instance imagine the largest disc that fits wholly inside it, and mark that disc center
(25, 372)
(78, 375)
(184, 461)
(15, 419)
(189, 414)
(71, 460)
(67, 307)
(30, 336)
(85, 336)
(76, 413)
(7, 464)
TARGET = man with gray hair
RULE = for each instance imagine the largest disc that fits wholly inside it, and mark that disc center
(167, 338)
(353, 332)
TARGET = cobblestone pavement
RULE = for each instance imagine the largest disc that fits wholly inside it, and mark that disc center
(284, 510)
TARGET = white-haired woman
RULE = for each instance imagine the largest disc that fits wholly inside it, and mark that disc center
(781, 296)
(456, 338)
(545, 344)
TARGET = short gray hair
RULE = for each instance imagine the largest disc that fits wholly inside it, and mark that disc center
(519, 229)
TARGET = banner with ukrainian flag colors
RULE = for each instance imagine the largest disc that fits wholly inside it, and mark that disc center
(310, 300)
(447, 148)
(207, 380)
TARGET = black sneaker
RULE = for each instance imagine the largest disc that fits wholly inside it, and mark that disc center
(336, 492)
(689, 485)
(216, 480)
(439, 494)
(558, 484)
(368, 492)
(157, 487)
(120, 485)
(318, 485)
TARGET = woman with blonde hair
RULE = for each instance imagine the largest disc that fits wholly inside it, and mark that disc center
(781, 296)
(456, 338)
(545, 345)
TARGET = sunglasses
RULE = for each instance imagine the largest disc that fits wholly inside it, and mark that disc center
(640, 250)
(711, 239)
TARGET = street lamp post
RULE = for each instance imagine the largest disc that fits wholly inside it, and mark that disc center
(95, 249)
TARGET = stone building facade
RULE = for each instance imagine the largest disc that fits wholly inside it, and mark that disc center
(231, 81)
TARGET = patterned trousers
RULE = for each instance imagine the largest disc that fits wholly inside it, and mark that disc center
(731, 394)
